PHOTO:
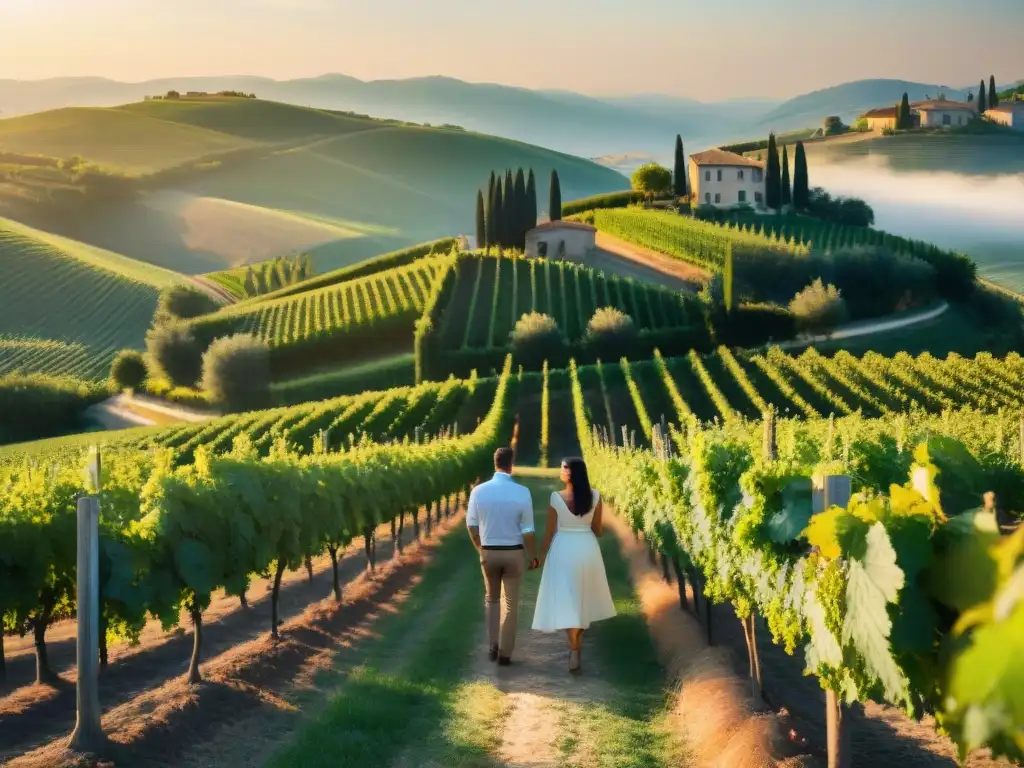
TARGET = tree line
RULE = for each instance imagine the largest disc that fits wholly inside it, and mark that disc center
(509, 210)
(779, 189)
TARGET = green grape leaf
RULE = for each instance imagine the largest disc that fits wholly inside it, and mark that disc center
(195, 563)
(911, 538)
(822, 648)
(964, 571)
(874, 581)
(787, 524)
(986, 689)
(914, 624)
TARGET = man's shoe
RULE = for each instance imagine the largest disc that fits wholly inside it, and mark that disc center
(493, 654)
(504, 661)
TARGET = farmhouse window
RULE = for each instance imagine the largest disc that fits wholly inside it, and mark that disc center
(707, 175)
(719, 174)
(707, 197)
(758, 198)
(542, 249)
(743, 196)
(739, 175)
(718, 198)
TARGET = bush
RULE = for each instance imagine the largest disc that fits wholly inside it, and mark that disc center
(651, 180)
(751, 325)
(874, 280)
(35, 406)
(174, 353)
(128, 371)
(537, 338)
(183, 302)
(236, 373)
(610, 333)
(818, 308)
(839, 210)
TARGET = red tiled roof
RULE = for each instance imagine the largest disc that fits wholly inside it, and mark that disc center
(721, 157)
(564, 225)
(880, 112)
(944, 104)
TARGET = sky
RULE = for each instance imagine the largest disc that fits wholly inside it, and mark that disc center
(708, 50)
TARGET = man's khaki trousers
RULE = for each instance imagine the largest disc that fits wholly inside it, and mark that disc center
(503, 572)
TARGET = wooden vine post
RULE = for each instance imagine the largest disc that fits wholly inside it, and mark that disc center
(834, 491)
(88, 734)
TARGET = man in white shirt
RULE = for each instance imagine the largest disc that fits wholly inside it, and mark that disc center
(500, 521)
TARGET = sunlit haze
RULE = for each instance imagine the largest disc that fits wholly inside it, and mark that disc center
(705, 50)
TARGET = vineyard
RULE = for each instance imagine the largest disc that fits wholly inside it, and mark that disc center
(480, 298)
(906, 595)
(258, 512)
(379, 309)
(68, 310)
(699, 243)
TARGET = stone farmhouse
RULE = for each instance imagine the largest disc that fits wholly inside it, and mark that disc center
(932, 113)
(565, 240)
(725, 179)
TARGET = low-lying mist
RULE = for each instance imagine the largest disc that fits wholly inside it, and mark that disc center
(982, 216)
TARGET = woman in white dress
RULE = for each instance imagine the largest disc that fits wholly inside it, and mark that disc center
(574, 589)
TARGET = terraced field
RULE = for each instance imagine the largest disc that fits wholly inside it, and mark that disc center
(489, 296)
(392, 299)
(68, 308)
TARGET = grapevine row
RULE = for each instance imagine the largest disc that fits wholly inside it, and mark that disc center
(172, 533)
(903, 596)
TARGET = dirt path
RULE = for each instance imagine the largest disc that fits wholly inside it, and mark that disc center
(618, 256)
(142, 689)
(541, 694)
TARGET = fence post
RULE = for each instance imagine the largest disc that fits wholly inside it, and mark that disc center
(829, 491)
(88, 734)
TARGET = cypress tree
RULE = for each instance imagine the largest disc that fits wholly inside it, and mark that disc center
(481, 221)
(679, 177)
(773, 179)
(499, 218)
(982, 101)
(903, 115)
(787, 194)
(509, 211)
(493, 215)
(993, 95)
(555, 198)
(801, 188)
(531, 201)
(521, 209)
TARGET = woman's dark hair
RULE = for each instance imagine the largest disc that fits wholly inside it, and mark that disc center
(582, 495)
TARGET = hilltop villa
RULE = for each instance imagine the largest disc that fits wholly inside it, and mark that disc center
(931, 113)
(566, 240)
(724, 179)
(1010, 114)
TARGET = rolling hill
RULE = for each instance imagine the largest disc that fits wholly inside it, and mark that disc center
(67, 308)
(848, 100)
(284, 179)
(565, 121)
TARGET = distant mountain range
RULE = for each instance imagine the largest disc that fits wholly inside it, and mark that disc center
(561, 120)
